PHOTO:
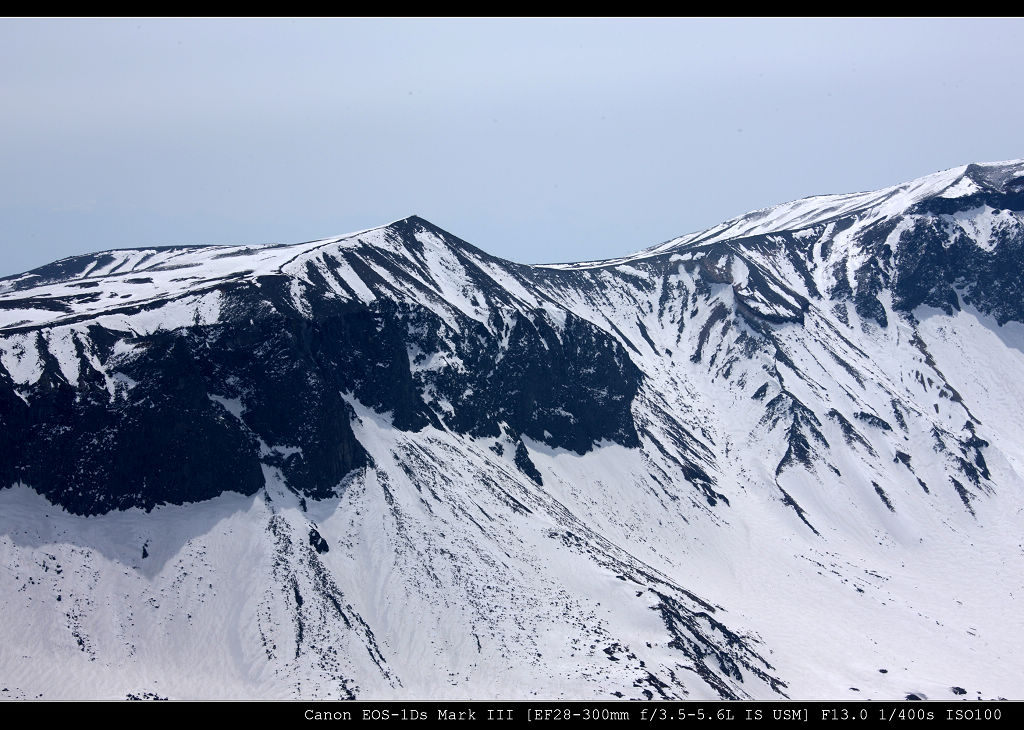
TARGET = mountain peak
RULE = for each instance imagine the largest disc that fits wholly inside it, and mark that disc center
(434, 463)
(1003, 177)
(967, 182)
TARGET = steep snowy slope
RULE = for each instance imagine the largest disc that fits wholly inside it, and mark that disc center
(770, 459)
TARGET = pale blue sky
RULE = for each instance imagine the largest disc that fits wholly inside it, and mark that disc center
(536, 140)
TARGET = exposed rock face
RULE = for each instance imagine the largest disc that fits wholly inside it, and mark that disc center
(837, 373)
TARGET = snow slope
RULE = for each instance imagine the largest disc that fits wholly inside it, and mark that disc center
(780, 457)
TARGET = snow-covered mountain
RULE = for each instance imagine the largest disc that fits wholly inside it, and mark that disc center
(778, 458)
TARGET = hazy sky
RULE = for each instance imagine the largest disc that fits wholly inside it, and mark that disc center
(536, 140)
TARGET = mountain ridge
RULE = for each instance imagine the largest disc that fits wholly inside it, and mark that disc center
(400, 429)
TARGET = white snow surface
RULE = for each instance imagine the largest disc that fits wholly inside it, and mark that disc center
(804, 214)
(451, 574)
